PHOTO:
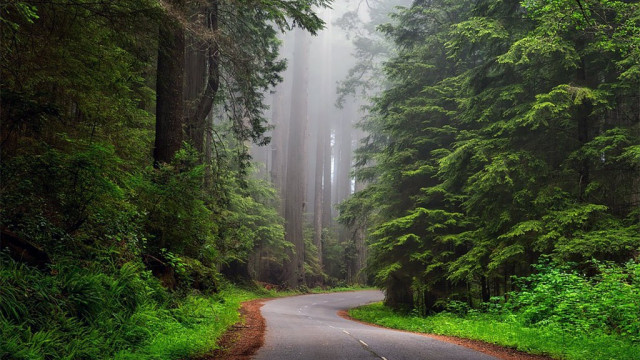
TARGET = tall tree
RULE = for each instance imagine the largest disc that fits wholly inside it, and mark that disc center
(295, 205)
(170, 86)
(488, 139)
(318, 215)
(327, 201)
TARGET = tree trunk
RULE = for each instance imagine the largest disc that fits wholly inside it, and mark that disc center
(343, 140)
(169, 89)
(204, 80)
(295, 178)
(360, 235)
(317, 204)
(484, 287)
(195, 80)
(327, 217)
(398, 294)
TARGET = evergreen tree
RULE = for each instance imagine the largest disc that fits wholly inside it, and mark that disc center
(509, 131)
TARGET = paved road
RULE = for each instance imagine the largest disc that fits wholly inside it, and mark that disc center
(307, 327)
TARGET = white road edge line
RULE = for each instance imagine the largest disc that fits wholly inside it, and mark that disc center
(383, 358)
(363, 343)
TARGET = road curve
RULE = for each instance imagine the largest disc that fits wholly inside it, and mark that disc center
(308, 327)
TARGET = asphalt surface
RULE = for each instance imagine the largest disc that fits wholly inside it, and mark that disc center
(308, 327)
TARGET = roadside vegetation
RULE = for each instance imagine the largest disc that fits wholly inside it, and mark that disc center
(115, 313)
(558, 312)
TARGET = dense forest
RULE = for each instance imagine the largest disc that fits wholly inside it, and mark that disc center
(452, 153)
(507, 131)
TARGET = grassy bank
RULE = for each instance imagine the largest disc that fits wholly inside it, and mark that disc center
(506, 331)
(192, 328)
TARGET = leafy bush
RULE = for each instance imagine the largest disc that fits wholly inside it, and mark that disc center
(177, 217)
(77, 312)
(559, 296)
(506, 330)
(557, 311)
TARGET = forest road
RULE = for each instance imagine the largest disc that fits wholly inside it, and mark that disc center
(308, 327)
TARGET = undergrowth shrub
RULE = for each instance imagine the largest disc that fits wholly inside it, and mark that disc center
(561, 297)
(74, 312)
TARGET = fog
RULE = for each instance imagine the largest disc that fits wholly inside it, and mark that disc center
(314, 113)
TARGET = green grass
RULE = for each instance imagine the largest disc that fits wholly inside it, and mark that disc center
(506, 331)
(196, 325)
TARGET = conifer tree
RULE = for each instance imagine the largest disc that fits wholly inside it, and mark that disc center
(509, 131)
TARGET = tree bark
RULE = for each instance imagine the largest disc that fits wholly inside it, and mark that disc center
(169, 89)
(295, 178)
(317, 204)
(327, 218)
(204, 79)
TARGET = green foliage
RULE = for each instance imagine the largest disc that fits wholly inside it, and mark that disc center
(87, 199)
(27, 12)
(252, 221)
(73, 123)
(508, 130)
(333, 258)
(557, 296)
(107, 313)
(191, 328)
(177, 215)
(506, 331)
(77, 313)
(556, 311)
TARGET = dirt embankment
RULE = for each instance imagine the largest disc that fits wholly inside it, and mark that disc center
(243, 339)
